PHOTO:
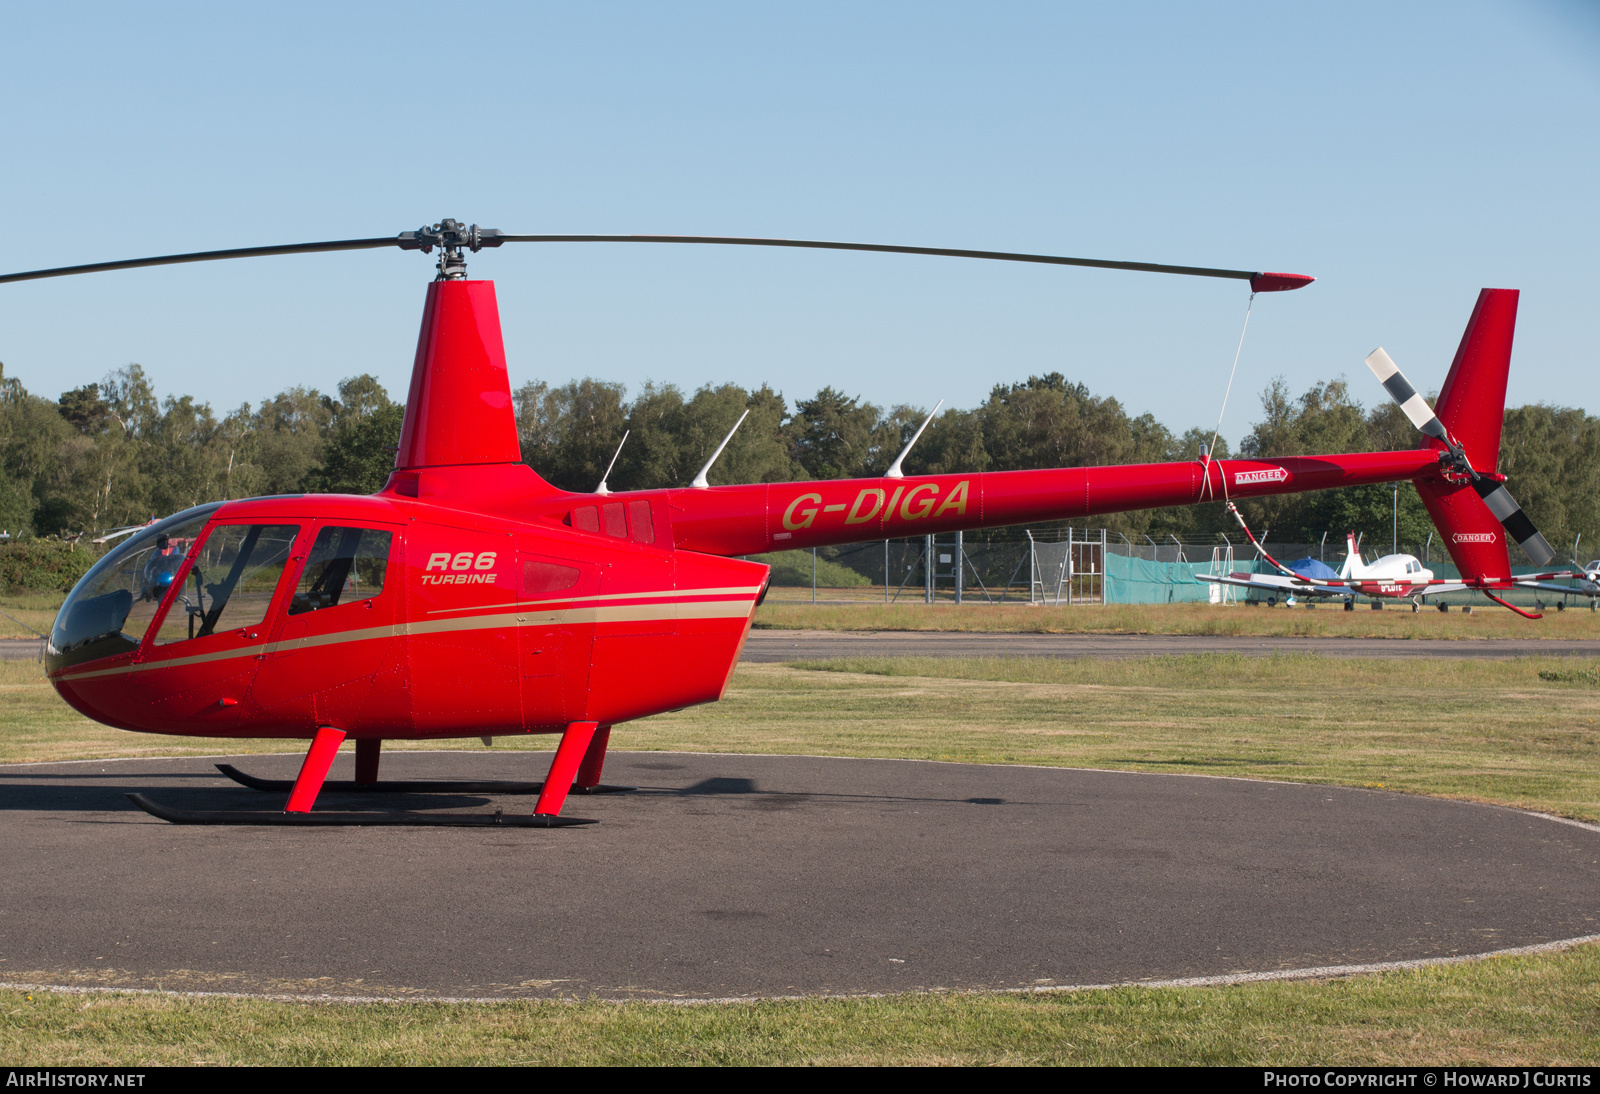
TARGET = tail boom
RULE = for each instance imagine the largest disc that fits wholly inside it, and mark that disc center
(738, 520)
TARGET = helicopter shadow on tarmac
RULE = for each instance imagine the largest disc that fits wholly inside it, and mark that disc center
(106, 791)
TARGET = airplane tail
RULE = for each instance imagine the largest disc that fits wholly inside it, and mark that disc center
(1472, 408)
(1352, 558)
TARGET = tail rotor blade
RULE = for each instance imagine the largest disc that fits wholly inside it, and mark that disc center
(1400, 390)
(1510, 514)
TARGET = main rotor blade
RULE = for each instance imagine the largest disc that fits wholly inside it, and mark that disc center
(453, 235)
(207, 256)
(1259, 281)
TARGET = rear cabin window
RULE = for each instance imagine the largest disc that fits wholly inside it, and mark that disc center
(231, 581)
(346, 565)
(616, 519)
(639, 520)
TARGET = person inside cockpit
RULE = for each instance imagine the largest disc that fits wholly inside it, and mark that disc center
(159, 570)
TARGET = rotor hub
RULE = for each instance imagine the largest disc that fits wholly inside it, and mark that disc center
(451, 237)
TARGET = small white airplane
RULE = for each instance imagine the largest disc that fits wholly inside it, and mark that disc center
(1588, 584)
(1391, 577)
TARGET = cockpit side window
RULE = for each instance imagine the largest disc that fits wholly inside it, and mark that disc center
(231, 581)
(346, 565)
(111, 608)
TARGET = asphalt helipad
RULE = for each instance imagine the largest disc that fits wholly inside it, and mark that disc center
(729, 875)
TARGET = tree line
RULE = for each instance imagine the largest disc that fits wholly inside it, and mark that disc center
(111, 454)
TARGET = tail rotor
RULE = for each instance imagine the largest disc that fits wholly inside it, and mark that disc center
(1488, 486)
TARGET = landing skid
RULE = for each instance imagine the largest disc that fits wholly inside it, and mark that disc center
(283, 786)
(409, 820)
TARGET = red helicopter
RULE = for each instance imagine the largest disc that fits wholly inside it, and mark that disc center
(471, 598)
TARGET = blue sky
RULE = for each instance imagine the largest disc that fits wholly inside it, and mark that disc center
(1406, 155)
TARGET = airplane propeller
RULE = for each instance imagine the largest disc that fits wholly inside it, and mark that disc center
(1494, 494)
(452, 237)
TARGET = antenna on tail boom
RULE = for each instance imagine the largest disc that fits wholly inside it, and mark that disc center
(603, 488)
(894, 471)
(700, 482)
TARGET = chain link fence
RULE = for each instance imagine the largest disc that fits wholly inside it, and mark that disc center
(1062, 565)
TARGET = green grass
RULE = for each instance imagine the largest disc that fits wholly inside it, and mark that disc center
(30, 614)
(796, 569)
(1486, 731)
(1491, 731)
(1572, 676)
(1512, 1011)
(1396, 621)
(1481, 731)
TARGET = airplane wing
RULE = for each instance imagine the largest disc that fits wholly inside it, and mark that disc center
(1276, 583)
(1280, 583)
(118, 532)
(1552, 587)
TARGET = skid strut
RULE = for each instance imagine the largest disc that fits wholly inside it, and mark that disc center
(594, 761)
(314, 772)
(367, 750)
(564, 768)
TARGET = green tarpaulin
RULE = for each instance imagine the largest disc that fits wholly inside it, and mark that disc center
(1137, 581)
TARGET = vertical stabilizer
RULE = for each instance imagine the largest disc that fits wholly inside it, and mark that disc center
(1352, 559)
(1472, 406)
(459, 409)
(1472, 403)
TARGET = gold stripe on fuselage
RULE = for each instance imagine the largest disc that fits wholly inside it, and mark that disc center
(622, 613)
(746, 590)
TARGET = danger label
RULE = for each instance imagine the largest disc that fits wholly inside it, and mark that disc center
(1473, 537)
(1271, 474)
